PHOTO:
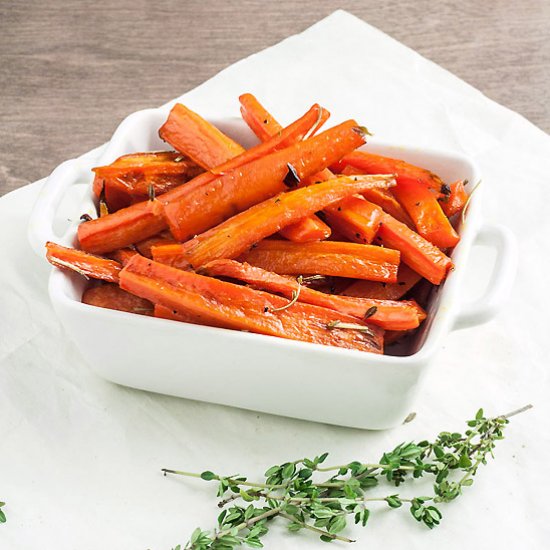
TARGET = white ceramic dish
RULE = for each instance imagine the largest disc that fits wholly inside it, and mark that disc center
(229, 367)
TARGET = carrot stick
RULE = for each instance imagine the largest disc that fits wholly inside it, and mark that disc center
(425, 211)
(241, 308)
(355, 218)
(383, 198)
(306, 230)
(122, 255)
(163, 312)
(262, 123)
(146, 245)
(406, 279)
(418, 253)
(111, 296)
(370, 163)
(193, 136)
(88, 265)
(389, 315)
(206, 205)
(453, 198)
(129, 178)
(143, 220)
(237, 234)
(357, 261)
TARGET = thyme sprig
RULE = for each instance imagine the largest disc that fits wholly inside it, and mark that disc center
(2, 515)
(291, 490)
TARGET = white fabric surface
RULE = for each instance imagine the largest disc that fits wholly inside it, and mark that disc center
(80, 458)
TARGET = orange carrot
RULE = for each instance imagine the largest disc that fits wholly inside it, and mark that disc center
(129, 179)
(389, 315)
(357, 261)
(426, 213)
(370, 163)
(406, 279)
(355, 218)
(122, 255)
(88, 265)
(146, 245)
(241, 308)
(383, 198)
(193, 136)
(111, 296)
(237, 234)
(418, 253)
(306, 230)
(163, 312)
(206, 205)
(145, 219)
(453, 198)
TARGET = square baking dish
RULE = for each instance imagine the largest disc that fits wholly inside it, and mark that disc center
(226, 366)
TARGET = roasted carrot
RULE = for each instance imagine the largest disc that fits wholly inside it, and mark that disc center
(111, 296)
(163, 312)
(262, 123)
(389, 315)
(418, 253)
(355, 218)
(357, 261)
(370, 163)
(201, 141)
(130, 178)
(237, 234)
(204, 206)
(425, 211)
(145, 219)
(86, 264)
(241, 308)
(306, 230)
(383, 198)
(123, 255)
(144, 247)
(453, 197)
(406, 279)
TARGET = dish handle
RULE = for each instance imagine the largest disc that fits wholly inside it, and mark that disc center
(501, 279)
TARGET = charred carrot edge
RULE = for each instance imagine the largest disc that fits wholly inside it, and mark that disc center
(88, 265)
(204, 206)
(123, 255)
(143, 220)
(418, 253)
(355, 218)
(306, 230)
(383, 198)
(453, 198)
(425, 211)
(237, 234)
(406, 279)
(111, 296)
(242, 308)
(370, 163)
(389, 315)
(195, 137)
(339, 259)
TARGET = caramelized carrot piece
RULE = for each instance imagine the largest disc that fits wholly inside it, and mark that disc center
(129, 179)
(357, 261)
(145, 219)
(418, 253)
(426, 213)
(241, 308)
(146, 245)
(111, 296)
(355, 218)
(370, 163)
(261, 122)
(88, 265)
(389, 315)
(306, 230)
(453, 198)
(406, 279)
(383, 198)
(201, 141)
(123, 255)
(163, 312)
(237, 234)
(204, 206)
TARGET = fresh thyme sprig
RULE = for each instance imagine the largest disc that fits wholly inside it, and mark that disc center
(2, 515)
(290, 490)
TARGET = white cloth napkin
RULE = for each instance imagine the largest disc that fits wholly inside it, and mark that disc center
(80, 458)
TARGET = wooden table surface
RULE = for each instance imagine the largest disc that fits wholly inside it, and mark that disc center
(70, 70)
